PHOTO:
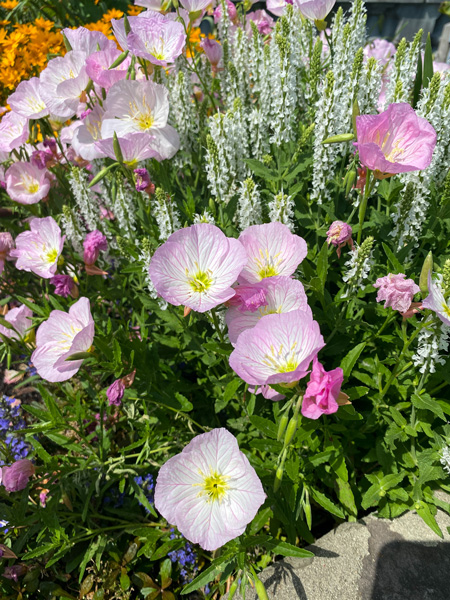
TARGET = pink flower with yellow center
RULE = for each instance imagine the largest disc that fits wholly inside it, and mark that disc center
(26, 183)
(209, 491)
(38, 250)
(279, 349)
(61, 336)
(272, 250)
(436, 301)
(395, 141)
(20, 319)
(197, 266)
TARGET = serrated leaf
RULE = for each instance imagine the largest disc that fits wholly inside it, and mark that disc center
(371, 496)
(423, 510)
(426, 402)
(349, 361)
(216, 568)
(327, 504)
(265, 426)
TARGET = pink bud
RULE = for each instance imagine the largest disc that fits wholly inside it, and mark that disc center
(15, 477)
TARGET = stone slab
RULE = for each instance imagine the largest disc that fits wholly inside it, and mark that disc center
(372, 559)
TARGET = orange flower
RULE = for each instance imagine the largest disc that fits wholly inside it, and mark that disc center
(9, 4)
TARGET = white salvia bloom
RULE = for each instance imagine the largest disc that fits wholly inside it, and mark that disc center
(445, 459)
(145, 258)
(281, 210)
(432, 346)
(183, 116)
(165, 214)
(239, 75)
(434, 105)
(249, 205)
(86, 200)
(358, 266)
(258, 132)
(124, 206)
(73, 228)
(224, 30)
(205, 217)
(369, 87)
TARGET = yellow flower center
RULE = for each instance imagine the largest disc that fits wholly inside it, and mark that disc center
(281, 361)
(145, 121)
(215, 486)
(267, 265)
(446, 309)
(201, 281)
(51, 255)
(267, 271)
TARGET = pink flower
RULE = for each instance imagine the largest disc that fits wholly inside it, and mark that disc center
(380, 49)
(278, 349)
(339, 234)
(26, 100)
(63, 285)
(27, 183)
(272, 250)
(281, 295)
(88, 133)
(209, 491)
(143, 181)
(395, 141)
(143, 107)
(42, 158)
(436, 301)
(248, 298)
(38, 250)
(61, 336)
(13, 131)
(87, 41)
(115, 392)
(277, 7)
(315, 10)
(93, 243)
(194, 6)
(14, 572)
(213, 51)
(62, 83)
(15, 477)
(268, 393)
(134, 146)
(97, 67)
(262, 20)
(197, 266)
(397, 291)
(6, 244)
(158, 40)
(322, 391)
(232, 12)
(20, 319)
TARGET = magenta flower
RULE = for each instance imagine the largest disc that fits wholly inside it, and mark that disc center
(42, 158)
(209, 491)
(64, 284)
(315, 10)
(213, 51)
(26, 100)
(158, 40)
(20, 319)
(232, 12)
(38, 250)
(14, 572)
(6, 244)
(281, 295)
(322, 391)
(26, 183)
(197, 266)
(248, 298)
(16, 477)
(143, 181)
(93, 243)
(380, 49)
(143, 107)
(13, 131)
(395, 141)
(272, 250)
(97, 67)
(61, 336)
(339, 234)
(279, 348)
(436, 301)
(262, 20)
(134, 146)
(115, 392)
(397, 291)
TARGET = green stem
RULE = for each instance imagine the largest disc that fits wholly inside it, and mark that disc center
(363, 205)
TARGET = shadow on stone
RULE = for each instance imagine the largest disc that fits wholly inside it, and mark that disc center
(282, 572)
(322, 552)
(412, 571)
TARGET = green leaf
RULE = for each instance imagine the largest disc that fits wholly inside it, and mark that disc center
(260, 169)
(371, 496)
(426, 402)
(265, 426)
(427, 63)
(322, 264)
(142, 498)
(88, 555)
(168, 546)
(216, 568)
(79, 356)
(349, 361)
(346, 498)
(42, 549)
(285, 549)
(423, 510)
(327, 504)
(391, 480)
(417, 81)
(260, 520)
(186, 406)
(396, 265)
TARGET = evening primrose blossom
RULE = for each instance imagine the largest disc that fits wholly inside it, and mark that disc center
(209, 491)
(196, 267)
